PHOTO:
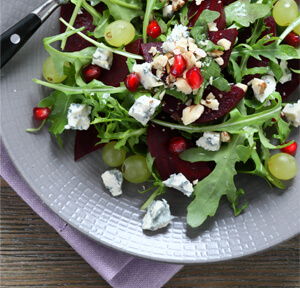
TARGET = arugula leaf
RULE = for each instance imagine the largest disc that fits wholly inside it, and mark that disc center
(219, 182)
(59, 103)
(124, 10)
(244, 12)
(102, 24)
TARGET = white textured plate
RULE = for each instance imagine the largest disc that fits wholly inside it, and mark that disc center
(75, 192)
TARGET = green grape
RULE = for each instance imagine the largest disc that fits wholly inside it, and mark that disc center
(285, 12)
(111, 156)
(135, 169)
(119, 33)
(50, 73)
(283, 166)
(297, 30)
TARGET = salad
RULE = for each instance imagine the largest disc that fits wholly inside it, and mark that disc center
(181, 94)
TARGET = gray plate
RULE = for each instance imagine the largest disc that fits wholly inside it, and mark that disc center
(74, 191)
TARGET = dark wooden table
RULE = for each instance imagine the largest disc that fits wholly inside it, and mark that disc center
(34, 255)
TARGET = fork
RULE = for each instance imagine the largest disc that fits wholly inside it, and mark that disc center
(16, 36)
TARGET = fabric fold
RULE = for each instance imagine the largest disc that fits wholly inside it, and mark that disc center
(119, 269)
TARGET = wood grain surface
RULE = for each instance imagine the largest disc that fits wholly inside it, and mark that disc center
(34, 255)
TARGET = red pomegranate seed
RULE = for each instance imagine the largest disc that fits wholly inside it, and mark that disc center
(291, 149)
(91, 72)
(194, 77)
(153, 29)
(177, 145)
(41, 113)
(293, 39)
(132, 81)
(179, 65)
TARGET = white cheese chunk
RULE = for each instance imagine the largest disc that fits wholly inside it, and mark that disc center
(143, 108)
(178, 32)
(224, 43)
(148, 79)
(158, 215)
(292, 113)
(181, 183)
(78, 116)
(210, 102)
(242, 86)
(183, 86)
(219, 61)
(168, 11)
(265, 91)
(112, 180)
(212, 26)
(210, 141)
(191, 113)
(103, 58)
(287, 74)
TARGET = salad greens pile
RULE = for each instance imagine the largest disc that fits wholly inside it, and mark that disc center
(255, 127)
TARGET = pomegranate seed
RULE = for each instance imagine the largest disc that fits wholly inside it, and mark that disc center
(132, 81)
(91, 72)
(153, 29)
(293, 39)
(177, 145)
(291, 149)
(194, 77)
(41, 113)
(179, 65)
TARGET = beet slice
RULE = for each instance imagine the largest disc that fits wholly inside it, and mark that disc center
(75, 42)
(195, 10)
(145, 47)
(227, 100)
(230, 35)
(158, 138)
(119, 70)
(85, 142)
(287, 88)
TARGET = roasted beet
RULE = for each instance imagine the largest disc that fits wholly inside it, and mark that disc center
(145, 48)
(75, 42)
(85, 142)
(230, 35)
(289, 87)
(195, 10)
(119, 70)
(227, 100)
(167, 163)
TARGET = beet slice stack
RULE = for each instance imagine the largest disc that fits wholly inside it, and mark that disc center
(166, 163)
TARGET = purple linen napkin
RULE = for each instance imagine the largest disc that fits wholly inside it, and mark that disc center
(120, 270)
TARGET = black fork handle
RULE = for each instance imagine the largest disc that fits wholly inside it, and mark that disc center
(16, 36)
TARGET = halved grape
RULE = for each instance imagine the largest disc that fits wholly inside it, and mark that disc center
(111, 156)
(50, 73)
(283, 166)
(285, 12)
(297, 30)
(135, 169)
(119, 33)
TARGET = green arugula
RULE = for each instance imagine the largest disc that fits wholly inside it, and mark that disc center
(219, 182)
(243, 12)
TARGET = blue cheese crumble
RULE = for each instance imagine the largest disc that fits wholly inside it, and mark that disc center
(292, 113)
(179, 33)
(210, 141)
(158, 215)
(148, 79)
(103, 58)
(181, 183)
(113, 180)
(78, 116)
(143, 108)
